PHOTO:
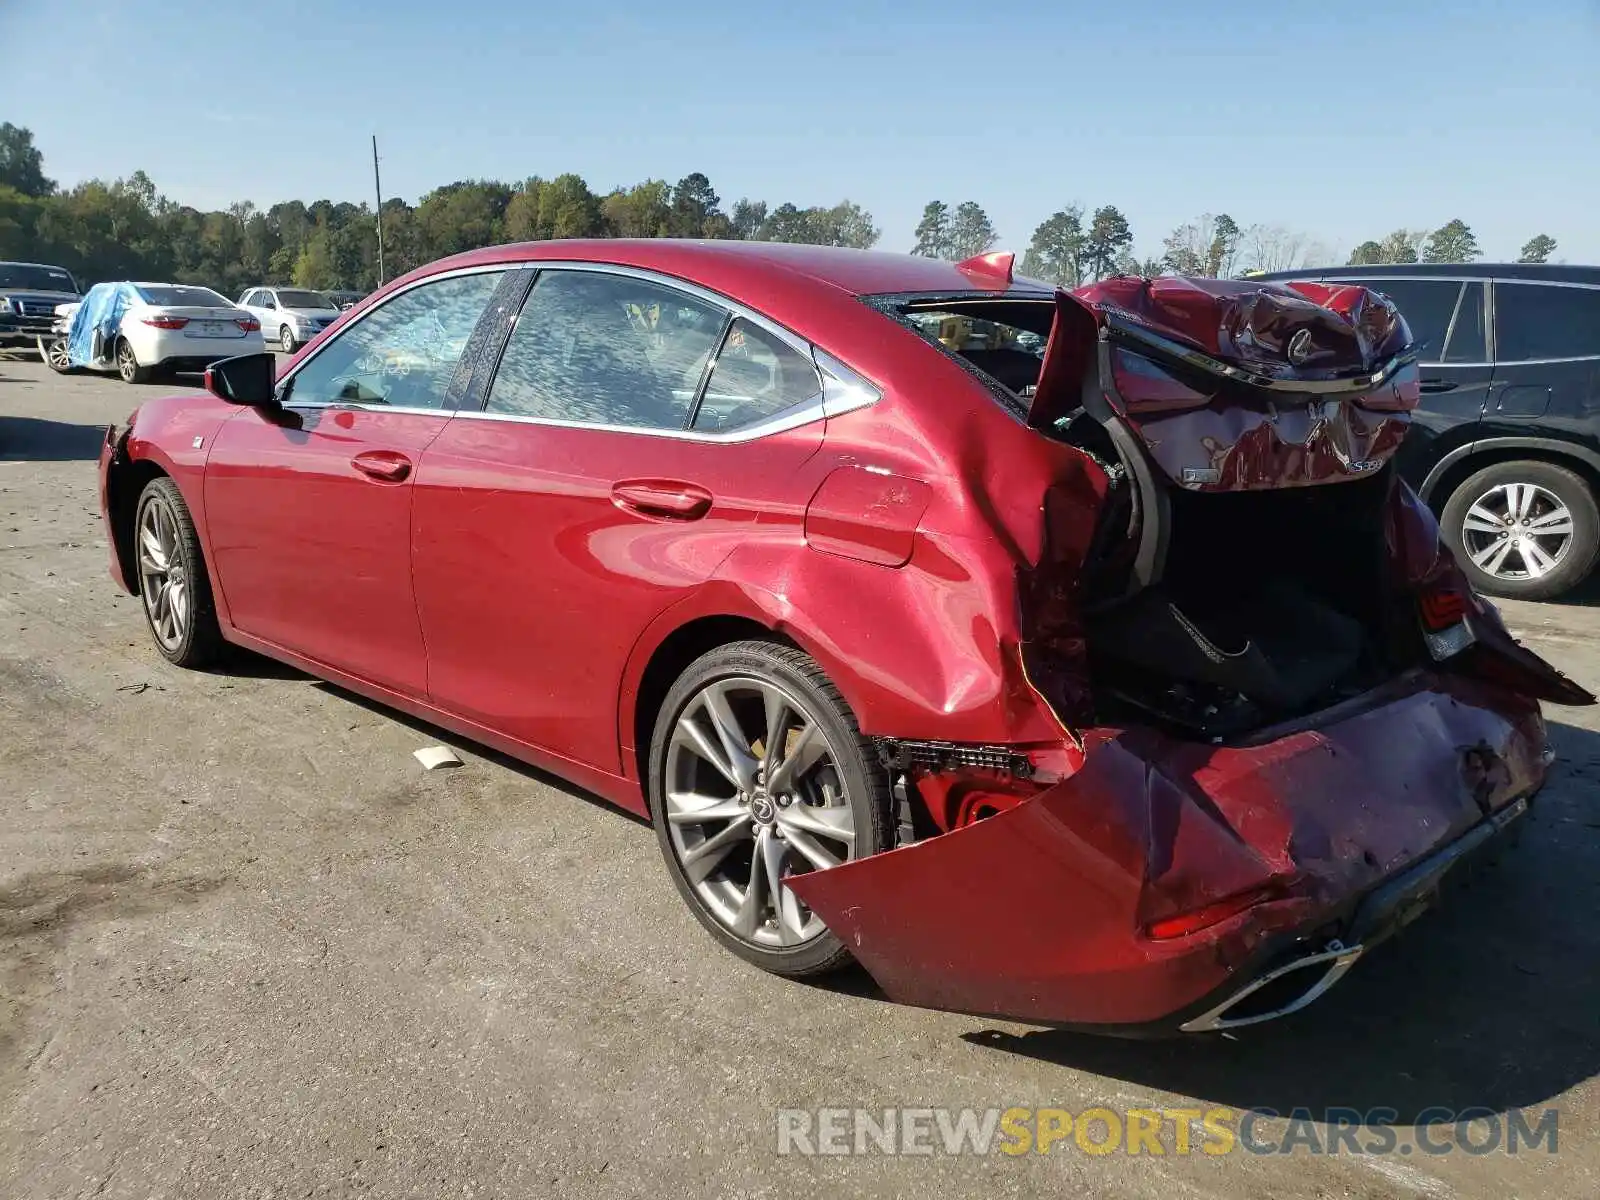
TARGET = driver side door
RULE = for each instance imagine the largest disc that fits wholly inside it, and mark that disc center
(309, 505)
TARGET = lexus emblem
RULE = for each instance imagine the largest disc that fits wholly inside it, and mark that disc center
(1300, 347)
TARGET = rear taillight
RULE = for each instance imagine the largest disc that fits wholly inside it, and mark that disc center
(166, 322)
(1203, 918)
(248, 324)
(1443, 609)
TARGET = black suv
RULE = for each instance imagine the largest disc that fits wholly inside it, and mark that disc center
(1506, 443)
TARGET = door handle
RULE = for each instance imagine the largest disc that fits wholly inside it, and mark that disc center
(662, 498)
(1439, 385)
(389, 466)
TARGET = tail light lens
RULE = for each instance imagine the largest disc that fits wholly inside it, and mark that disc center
(1197, 919)
(166, 322)
(1148, 388)
(248, 324)
(1442, 606)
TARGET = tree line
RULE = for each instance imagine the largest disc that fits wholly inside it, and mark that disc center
(126, 229)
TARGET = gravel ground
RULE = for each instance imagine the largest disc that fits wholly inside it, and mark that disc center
(249, 948)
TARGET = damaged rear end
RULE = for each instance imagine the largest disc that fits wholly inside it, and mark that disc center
(1289, 716)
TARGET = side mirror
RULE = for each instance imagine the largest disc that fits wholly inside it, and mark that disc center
(250, 380)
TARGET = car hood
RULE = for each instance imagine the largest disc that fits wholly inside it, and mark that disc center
(1230, 385)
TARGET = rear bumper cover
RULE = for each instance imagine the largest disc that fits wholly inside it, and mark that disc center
(1039, 913)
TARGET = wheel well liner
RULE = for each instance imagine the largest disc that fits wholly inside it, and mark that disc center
(124, 484)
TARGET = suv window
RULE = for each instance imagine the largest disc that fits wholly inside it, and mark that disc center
(1533, 320)
(1426, 304)
(402, 353)
(756, 375)
(1467, 341)
(606, 349)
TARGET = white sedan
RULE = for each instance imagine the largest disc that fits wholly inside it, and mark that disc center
(137, 329)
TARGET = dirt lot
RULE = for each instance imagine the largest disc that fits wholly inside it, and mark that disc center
(249, 948)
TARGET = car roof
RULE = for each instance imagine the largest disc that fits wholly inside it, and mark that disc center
(1545, 272)
(733, 265)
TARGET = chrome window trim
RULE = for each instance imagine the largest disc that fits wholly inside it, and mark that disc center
(310, 405)
(792, 418)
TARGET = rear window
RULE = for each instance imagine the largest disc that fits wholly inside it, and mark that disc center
(1534, 320)
(180, 295)
(289, 298)
(30, 278)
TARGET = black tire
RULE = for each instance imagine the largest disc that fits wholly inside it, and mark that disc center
(198, 641)
(1554, 486)
(128, 366)
(286, 341)
(857, 771)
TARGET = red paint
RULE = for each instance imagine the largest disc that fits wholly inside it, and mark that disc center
(513, 581)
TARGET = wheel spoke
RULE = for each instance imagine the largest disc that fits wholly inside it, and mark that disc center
(178, 602)
(155, 555)
(1519, 499)
(1558, 520)
(699, 861)
(1480, 520)
(777, 713)
(809, 748)
(690, 736)
(780, 900)
(752, 906)
(835, 823)
(1534, 559)
(807, 845)
(692, 808)
(734, 743)
(1492, 555)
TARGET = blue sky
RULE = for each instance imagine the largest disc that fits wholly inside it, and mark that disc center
(1336, 120)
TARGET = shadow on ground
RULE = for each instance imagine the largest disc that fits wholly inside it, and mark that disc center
(1489, 1002)
(39, 440)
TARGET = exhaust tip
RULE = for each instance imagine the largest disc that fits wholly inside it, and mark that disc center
(1279, 992)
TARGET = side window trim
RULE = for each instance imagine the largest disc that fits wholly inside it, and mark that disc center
(286, 384)
(719, 345)
(843, 389)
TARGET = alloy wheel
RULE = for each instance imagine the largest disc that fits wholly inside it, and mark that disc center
(754, 796)
(286, 339)
(1517, 531)
(56, 354)
(163, 582)
(127, 365)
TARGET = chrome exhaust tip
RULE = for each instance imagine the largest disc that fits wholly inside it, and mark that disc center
(1294, 985)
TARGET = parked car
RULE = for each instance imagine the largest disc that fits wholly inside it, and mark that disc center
(290, 317)
(29, 293)
(139, 329)
(345, 299)
(1506, 444)
(1138, 693)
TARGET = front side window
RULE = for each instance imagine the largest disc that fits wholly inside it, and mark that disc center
(756, 375)
(402, 353)
(1533, 320)
(605, 349)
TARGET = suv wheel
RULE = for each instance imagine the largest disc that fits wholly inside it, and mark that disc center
(1525, 530)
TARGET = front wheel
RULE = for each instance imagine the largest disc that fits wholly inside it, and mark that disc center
(286, 340)
(759, 773)
(1525, 530)
(172, 578)
(128, 367)
(54, 352)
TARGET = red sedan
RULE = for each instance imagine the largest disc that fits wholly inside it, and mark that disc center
(1068, 657)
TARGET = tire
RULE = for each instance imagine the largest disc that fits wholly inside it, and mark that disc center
(775, 831)
(1493, 522)
(286, 341)
(128, 368)
(53, 351)
(173, 584)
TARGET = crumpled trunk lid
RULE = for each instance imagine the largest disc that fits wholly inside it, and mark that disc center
(1228, 385)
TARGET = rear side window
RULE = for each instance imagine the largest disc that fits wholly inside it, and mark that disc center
(1533, 320)
(1467, 342)
(604, 349)
(756, 375)
(1426, 304)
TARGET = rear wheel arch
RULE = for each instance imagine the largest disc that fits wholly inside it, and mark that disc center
(1459, 470)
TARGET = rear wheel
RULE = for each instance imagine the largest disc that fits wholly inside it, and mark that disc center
(1526, 530)
(286, 340)
(128, 364)
(759, 773)
(172, 578)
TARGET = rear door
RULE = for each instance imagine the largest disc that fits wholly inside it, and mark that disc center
(309, 506)
(1547, 361)
(613, 467)
(1448, 317)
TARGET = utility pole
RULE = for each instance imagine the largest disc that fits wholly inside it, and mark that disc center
(377, 187)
